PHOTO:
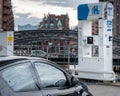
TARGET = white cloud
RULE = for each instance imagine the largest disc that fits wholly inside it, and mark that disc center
(88, 1)
(37, 9)
(15, 16)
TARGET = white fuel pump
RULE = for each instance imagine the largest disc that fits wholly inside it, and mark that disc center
(95, 42)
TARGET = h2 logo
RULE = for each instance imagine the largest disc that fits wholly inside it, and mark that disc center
(95, 10)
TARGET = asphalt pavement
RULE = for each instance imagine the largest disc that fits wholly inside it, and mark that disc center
(104, 90)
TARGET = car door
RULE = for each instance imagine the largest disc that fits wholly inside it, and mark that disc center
(20, 80)
(53, 81)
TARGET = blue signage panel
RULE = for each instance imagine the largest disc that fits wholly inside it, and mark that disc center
(109, 25)
(83, 12)
(94, 11)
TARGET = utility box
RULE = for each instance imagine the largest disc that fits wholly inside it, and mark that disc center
(6, 43)
(95, 42)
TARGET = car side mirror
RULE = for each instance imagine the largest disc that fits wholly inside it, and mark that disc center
(74, 81)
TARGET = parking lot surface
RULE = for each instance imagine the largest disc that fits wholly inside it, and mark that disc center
(104, 90)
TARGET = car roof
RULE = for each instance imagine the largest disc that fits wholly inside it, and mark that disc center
(5, 60)
(8, 60)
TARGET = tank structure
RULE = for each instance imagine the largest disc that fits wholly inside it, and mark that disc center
(95, 42)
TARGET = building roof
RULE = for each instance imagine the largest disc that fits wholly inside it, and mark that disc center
(55, 22)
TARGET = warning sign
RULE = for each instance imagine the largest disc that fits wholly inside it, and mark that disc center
(9, 38)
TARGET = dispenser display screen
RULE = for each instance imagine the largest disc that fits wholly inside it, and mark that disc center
(89, 40)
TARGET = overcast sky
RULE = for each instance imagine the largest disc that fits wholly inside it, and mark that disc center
(32, 11)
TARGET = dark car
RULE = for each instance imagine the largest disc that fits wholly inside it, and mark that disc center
(31, 76)
(39, 53)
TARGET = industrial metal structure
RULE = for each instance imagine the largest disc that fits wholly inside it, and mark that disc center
(57, 43)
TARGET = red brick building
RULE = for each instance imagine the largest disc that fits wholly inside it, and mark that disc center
(53, 22)
(6, 15)
(1, 8)
(116, 24)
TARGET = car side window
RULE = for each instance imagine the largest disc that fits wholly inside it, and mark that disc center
(19, 77)
(50, 76)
